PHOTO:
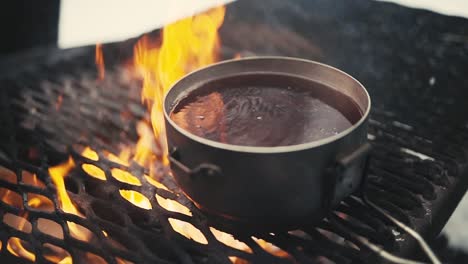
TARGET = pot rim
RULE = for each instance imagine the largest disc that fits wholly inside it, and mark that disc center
(276, 149)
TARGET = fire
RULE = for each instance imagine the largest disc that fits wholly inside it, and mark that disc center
(229, 240)
(187, 45)
(123, 158)
(100, 62)
(31, 179)
(125, 176)
(173, 206)
(58, 173)
(136, 198)
(146, 146)
(272, 249)
(90, 154)
(15, 247)
(94, 171)
(57, 255)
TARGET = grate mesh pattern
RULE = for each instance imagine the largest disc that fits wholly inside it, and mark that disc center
(56, 107)
(43, 133)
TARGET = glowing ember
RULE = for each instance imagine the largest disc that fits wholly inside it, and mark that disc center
(8, 176)
(172, 205)
(50, 227)
(31, 179)
(57, 255)
(91, 169)
(94, 171)
(100, 62)
(229, 240)
(272, 249)
(90, 154)
(95, 259)
(136, 198)
(188, 230)
(156, 183)
(66, 260)
(125, 176)
(121, 261)
(12, 198)
(16, 246)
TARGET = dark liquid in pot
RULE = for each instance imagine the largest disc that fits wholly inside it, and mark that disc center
(265, 111)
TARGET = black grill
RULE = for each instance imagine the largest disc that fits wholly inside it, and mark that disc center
(40, 130)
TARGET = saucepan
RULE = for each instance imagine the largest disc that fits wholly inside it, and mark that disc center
(279, 186)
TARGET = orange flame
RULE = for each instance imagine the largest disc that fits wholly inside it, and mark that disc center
(90, 154)
(15, 247)
(136, 198)
(123, 158)
(100, 61)
(18, 247)
(187, 45)
(58, 173)
(146, 147)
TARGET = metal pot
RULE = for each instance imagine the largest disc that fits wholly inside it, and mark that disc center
(273, 187)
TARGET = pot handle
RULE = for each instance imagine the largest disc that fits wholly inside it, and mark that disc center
(335, 173)
(204, 169)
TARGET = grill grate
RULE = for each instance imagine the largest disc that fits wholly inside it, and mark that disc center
(42, 134)
(421, 192)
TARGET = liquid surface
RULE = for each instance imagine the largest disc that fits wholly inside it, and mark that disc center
(259, 115)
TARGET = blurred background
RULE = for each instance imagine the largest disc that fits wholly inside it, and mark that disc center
(72, 23)
(86, 21)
